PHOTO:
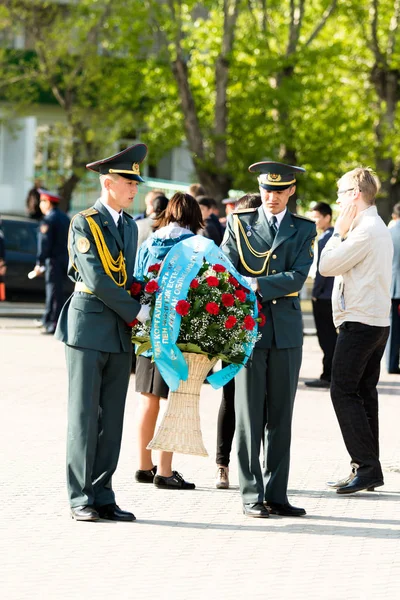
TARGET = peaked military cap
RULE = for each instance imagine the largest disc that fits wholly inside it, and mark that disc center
(275, 175)
(125, 163)
(46, 195)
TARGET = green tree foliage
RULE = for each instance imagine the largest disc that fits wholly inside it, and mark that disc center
(70, 64)
(314, 82)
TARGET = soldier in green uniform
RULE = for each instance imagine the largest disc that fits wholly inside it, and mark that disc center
(95, 324)
(275, 248)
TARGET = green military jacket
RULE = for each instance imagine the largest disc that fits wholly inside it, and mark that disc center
(98, 320)
(281, 264)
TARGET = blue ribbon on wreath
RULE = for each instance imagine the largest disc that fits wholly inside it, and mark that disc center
(179, 268)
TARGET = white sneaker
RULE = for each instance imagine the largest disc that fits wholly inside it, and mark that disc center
(222, 479)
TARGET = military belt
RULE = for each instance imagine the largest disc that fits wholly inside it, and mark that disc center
(81, 287)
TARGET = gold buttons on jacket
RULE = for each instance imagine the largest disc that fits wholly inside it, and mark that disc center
(273, 301)
(273, 272)
(274, 256)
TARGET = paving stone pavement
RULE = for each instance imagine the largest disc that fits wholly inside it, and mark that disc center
(195, 544)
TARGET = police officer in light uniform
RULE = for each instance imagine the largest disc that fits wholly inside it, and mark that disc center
(52, 256)
(275, 248)
(95, 324)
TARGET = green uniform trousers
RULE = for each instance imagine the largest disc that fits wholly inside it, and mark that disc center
(98, 383)
(264, 398)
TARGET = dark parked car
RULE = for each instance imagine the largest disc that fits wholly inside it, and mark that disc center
(20, 236)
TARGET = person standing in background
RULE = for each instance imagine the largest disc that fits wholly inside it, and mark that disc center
(33, 201)
(146, 226)
(52, 256)
(393, 345)
(230, 205)
(148, 200)
(359, 255)
(181, 219)
(321, 298)
(213, 229)
(196, 190)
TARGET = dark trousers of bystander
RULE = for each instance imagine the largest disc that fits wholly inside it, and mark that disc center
(393, 345)
(355, 375)
(226, 424)
(326, 333)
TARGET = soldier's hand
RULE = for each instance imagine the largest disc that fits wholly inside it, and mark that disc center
(252, 283)
(144, 313)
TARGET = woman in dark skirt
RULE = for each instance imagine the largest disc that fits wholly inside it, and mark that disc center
(181, 219)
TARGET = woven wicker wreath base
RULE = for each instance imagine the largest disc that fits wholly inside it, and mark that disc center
(180, 429)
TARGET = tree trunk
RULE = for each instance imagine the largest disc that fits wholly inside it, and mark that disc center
(211, 167)
(386, 82)
(66, 191)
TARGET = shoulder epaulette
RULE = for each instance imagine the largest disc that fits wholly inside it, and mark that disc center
(89, 212)
(244, 210)
(301, 217)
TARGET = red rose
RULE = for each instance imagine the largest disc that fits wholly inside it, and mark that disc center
(233, 281)
(259, 305)
(219, 268)
(241, 295)
(227, 300)
(263, 319)
(194, 284)
(249, 323)
(151, 286)
(212, 308)
(154, 268)
(182, 307)
(230, 322)
(136, 288)
(212, 281)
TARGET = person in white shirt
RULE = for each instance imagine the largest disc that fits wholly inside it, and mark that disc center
(359, 256)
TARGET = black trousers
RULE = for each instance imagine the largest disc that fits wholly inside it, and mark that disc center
(326, 333)
(355, 375)
(393, 345)
(55, 276)
(226, 424)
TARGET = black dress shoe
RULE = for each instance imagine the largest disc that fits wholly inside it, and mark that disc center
(145, 476)
(175, 482)
(285, 510)
(318, 383)
(112, 512)
(360, 483)
(256, 510)
(84, 513)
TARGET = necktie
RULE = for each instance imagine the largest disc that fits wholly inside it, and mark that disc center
(121, 227)
(274, 224)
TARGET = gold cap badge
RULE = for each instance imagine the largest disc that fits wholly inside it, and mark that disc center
(135, 168)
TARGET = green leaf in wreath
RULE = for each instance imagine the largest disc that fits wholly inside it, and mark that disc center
(191, 348)
(143, 347)
(139, 339)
